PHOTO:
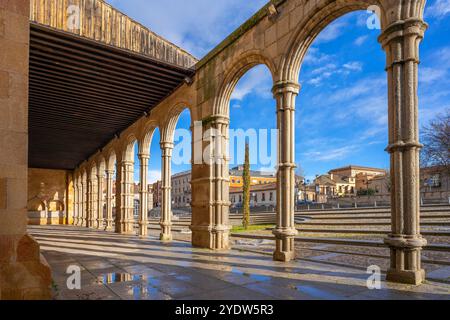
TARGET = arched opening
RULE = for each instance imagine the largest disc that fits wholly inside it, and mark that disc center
(181, 195)
(152, 142)
(341, 134)
(253, 123)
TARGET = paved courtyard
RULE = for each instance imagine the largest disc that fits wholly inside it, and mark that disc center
(126, 267)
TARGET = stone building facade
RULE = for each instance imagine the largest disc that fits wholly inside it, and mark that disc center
(261, 195)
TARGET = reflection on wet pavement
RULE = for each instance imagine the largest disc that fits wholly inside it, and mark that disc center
(125, 267)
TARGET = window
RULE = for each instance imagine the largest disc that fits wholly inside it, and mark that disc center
(240, 198)
(271, 196)
(263, 197)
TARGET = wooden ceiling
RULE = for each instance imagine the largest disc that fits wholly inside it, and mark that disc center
(82, 93)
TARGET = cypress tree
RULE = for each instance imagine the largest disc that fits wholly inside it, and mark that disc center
(246, 189)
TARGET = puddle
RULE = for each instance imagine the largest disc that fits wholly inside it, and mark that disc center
(115, 277)
(317, 293)
(256, 277)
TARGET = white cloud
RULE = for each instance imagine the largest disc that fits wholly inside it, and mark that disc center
(332, 32)
(360, 40)
(195, 26)
(154, 176)
(327, 71)
(315, 57)
(257, 81)
(439, 9)
(353, 66)
(330, 154)
(430, 75)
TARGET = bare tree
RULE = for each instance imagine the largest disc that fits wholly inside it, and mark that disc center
(436, 139)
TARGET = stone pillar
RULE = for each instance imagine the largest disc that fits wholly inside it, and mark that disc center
(285, 232)
(166, 205)
(143, 213)
(80, 203)
(92, 206)
(210, 184)
(75, 209)
(100, 201)
(84, 219)
(124, 194)
(400, 39)
(109, 199)
(24, 273)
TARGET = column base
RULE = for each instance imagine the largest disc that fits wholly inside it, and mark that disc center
(165, 237)
(406, 276)
(284, 256)
(29, 276)
(209, 237)
(143, 230)
(284, 244)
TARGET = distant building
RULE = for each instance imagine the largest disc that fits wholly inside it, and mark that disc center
(157, 194)
(256, 177)
(346, 181)
(181, 189)
(260, 195)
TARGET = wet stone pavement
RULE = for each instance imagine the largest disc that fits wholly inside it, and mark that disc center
(126, 267)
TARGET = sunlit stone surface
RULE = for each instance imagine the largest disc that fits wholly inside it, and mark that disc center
(124, 267)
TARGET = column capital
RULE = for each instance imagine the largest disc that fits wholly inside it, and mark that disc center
(286, 86)
(402, 28)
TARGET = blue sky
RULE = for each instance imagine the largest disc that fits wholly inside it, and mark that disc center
(341, 110)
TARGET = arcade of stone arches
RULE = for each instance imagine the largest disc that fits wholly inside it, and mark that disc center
(278, 38)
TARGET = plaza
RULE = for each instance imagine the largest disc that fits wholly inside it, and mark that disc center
(121, 267)
(84, 88)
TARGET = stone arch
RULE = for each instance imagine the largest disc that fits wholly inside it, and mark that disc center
(110, 160)
(36, 204)
(101, 164)
(55, 206)
(234, 74)
(317, 19)
(168, 130)
(128, 147)
(146, 136)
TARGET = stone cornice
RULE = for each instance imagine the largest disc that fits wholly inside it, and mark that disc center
(101, 22)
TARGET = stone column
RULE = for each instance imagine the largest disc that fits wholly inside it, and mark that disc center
(124, 193)
(100, 201)
(92, 186)
(84, 220)
(109, 198)
(166, 205)
(400, 40)
(75, 202)
(210, 184)
(285, 232)
(24, 273)
(143, 213)
(80, 203)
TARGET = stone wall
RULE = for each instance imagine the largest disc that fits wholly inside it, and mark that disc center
(24, 274)
(50, 197)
